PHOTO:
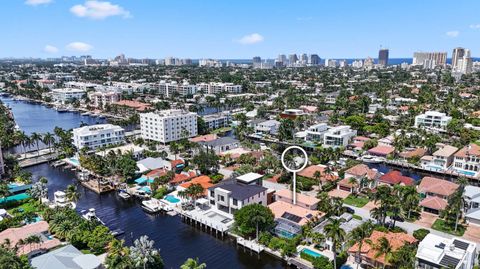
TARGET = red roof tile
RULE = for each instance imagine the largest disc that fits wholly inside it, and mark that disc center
(395, 177)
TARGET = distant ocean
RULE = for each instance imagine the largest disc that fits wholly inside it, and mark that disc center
(391, 61)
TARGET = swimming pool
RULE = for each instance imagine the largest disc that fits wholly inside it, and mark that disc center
(172, 199)
(74, 161)
(346, 267)
(468, 173)
(311, 253)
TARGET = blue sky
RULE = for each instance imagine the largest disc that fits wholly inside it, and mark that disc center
(228, 29)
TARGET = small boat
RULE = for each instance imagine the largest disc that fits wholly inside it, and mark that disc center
(124, 195)
(91, 215)
(152, 206)
(117, 232)
(60, 200)
(372, 159)
(86, 114)
(141, 194)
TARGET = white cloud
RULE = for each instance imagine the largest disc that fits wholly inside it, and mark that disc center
(475, 26)
(37, 2)
(98, 10)
(251, 39)
(452, 33)
(50, 49)
(79, 47)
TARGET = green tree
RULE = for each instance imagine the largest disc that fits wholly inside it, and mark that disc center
(336, 234)
(253, 218)
(193, 264)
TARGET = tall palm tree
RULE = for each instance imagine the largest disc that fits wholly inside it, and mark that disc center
(358, 235)
(36, 137)
(383, 247)
(257, 219)
(336, 234)
(48, 139)
(193, 264)
(118, 255)
(72, 194)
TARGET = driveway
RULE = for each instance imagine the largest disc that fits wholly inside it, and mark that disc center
(369, 206)
(472, 233)
(426, 219)
(338, 193)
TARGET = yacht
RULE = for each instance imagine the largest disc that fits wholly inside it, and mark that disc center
(91, 215)
(60, 200)
(152, 206)
(124, 195)
(141, 194)
(372, 159)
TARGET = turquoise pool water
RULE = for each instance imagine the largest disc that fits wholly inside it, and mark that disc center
(17, 197)
(75, 161)
(468, 173)
(311, 253)
(172, 199)
(346, 267)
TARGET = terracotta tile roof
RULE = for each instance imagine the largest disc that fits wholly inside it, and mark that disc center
(434, 202)
(174, 163)
(204, 181)
(437, 186)
(395, 177)
(204, 138)
(469, 150)
(133, 104)
(275, 178)
(420, 152)
(302, 198)
(346, 182)
(309, 172)
(361, 170)
(381, 150)
(279, 208)
(182, 177)
(396, 240)
(361, 138)
(15, 234)
(445, 151)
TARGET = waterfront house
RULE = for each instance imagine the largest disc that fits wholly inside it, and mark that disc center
(441, 159)
(395, 177)
(432, 120)
(134, 105)
(230, 196)
(204, 181)
(67, 257)
(381, 151)
(348, 224)
(435, 193)
(338, 136)
(221, 144)
(267, 127)
(97, 136)
(40, 229)
(412, 153)
(151, 163)
(471, 197)
(325, 176)
(439, 252)
(369, 256)
(358, 142)
(361, 173)
(136, 151)
(67, 95)
(316, 132)
(467, 160)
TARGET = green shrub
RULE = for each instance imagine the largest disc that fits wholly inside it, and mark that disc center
(420, 234)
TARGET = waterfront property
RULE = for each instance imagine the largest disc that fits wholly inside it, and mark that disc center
(67, 95)
(136, 151)
(441, 159)
(395, 177)
(66, 257)
(267, 127)
(471, 197)
(97, 136)
(467, 160)
(361, 173)
(40, 229)
(316, 132)
(435, 251)
(221, 144)
(216, 121)
(432, 120)
(168, 125)
(348, 224)
(435, 193)
(338, 136)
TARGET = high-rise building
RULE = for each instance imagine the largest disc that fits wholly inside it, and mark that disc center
(313, 59)
(464, 65)
(457, 55)
(257, 62)
(430, 60)
(168, 125)
(292, 58)
(304, 58)
(383, 57)
(282, 58)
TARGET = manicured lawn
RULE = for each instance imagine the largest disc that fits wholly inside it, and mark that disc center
(27, 207)
(221, 130)
(357, 201)
(357, 217)
(441, 225)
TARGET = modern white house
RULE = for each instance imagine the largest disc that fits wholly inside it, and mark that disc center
(219, 120)
(471, 196)
(267, 127)
(67, 95)
(432, 120)
(221, 144)
(338, 136)
(438, 252)
(230, 196)
(316, 132)
(96, 136)
(168, 125)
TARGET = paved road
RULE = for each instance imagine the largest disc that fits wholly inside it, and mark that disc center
(407, 226)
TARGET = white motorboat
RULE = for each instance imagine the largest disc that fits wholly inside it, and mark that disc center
(124, 195)
(152, 206)
(91, 215)
(60, 200)
(142, 194)
(372, 159)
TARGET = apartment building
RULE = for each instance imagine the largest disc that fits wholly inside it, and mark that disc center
(97, 136)
(102, 99)
(67, 95)
(219, 120)
(338, 136)
(168, 125)
(218, 87)
(439, 252)
(432, 120)
(467, 160)
(169, 89)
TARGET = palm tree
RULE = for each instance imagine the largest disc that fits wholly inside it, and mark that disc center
(317, 176)
(48, 139)
(38, 190)
(72, 194)
(383, 248)
(336, 234)
(36, 137)
(4, 191)
(257, 219)
(193, 264)
(118, 255)
(358, 235)
(195, 191)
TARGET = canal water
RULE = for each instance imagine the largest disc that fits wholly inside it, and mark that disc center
(176, 240)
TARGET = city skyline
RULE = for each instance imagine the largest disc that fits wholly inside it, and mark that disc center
(235, 30)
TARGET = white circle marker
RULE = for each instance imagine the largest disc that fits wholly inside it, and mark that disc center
(294, 171)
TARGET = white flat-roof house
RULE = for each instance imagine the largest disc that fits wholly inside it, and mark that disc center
(167, 125)
(471, 196)
(432, 120)
(316, 132)
(338, 136)
(268, 127)
(67, 94)
(230, 196)
(438, 252)
(96, 136)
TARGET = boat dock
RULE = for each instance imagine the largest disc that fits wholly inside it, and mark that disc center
(199, 220)
(31, 161)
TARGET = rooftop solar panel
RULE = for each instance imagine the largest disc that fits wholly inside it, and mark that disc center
(460, 244)
(291, 217)
(449, 261)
